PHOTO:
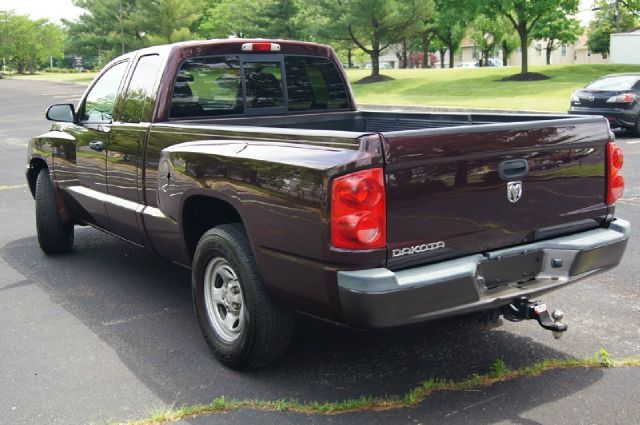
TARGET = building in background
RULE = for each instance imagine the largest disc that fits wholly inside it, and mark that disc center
(625, 47)
(566, 54)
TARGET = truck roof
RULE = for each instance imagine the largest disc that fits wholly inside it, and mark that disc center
(233, 46)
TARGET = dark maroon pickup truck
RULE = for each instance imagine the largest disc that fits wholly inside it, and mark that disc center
(248, 162)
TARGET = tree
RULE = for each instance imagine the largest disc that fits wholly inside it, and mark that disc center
(604, 24)
(426, 28)
(102, 31)
(451, 23)
(508, 45)
(27, 42)
(167, 21)
(374, 25)
(560, 29)
(524, 15)
(258, 18)
(486, 34)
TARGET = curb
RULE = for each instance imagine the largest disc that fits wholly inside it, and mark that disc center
(416, 108)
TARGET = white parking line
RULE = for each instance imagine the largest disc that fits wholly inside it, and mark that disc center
(634, 142)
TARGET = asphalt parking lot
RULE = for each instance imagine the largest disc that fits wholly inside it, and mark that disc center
(108, 332)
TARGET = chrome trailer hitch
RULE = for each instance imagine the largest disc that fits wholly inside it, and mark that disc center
(523, 309)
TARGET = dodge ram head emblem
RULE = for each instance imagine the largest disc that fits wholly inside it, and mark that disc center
(514, 191)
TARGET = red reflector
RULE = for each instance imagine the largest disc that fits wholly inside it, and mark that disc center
(615, 182)
(358, 210)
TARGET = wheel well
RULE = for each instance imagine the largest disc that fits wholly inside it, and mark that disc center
(35, 167)
(201, 213)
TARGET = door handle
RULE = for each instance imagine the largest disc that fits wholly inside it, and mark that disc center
(96, 145)
(513, 169)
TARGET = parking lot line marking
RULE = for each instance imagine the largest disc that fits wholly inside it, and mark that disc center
(12, 187)
(633, 143)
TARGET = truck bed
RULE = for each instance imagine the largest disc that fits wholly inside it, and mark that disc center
(445, 186)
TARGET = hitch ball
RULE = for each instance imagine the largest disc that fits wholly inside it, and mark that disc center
(557, 316)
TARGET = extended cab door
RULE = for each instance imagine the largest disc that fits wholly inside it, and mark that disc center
(91, 133)
(125, 150)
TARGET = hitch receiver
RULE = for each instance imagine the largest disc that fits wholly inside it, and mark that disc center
(523, 309)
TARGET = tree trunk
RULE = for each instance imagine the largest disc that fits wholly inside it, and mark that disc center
(450, 46)
(549, 50)
(426, 41)
(349, 59)
(375, 63)
(442, 52)
(524, 46)
(404, 55)
(375, 52)
(505, 53)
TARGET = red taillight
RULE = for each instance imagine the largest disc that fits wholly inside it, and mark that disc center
(358, 210)
(260, 47)
(623, 98)
(615, 182)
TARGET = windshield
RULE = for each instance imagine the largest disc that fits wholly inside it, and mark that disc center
(623, 82)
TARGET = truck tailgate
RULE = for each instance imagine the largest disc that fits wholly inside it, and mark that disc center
(456, 191)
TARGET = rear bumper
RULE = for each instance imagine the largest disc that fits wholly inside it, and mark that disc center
(381, 298)
(616, 117)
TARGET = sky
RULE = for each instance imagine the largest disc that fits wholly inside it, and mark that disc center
(51, 9)
(56, 9)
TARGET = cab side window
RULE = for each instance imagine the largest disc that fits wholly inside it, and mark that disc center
(138, 98)
(100, 101)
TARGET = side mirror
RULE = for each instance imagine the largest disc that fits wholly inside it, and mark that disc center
(61, 113)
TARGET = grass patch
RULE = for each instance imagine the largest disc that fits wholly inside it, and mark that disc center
(499, 371)
(72, 77)
(481, 87)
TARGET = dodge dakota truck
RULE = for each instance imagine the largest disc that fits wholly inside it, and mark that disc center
(248, 162)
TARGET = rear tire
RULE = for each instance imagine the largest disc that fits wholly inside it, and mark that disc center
(244, 327)
(54, 236)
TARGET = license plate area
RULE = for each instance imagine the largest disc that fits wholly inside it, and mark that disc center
(514, 269)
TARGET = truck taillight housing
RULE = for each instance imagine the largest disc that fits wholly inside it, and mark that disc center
(615, 182)
(358, 210)
(260, 47)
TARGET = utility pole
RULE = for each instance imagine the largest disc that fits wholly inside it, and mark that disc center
(121, 28)
(5, 41)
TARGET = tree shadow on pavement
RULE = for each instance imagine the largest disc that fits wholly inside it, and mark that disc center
(141, 306)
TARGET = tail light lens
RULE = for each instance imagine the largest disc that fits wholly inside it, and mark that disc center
(615, 182)
(623, 98)
(358, 210)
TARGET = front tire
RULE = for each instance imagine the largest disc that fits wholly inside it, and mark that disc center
(244, 327)
(54, 236)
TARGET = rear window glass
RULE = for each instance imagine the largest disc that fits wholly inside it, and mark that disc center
(314, 83)
(219, 85)
(263, 82)
(613, 83)
(208, 86)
